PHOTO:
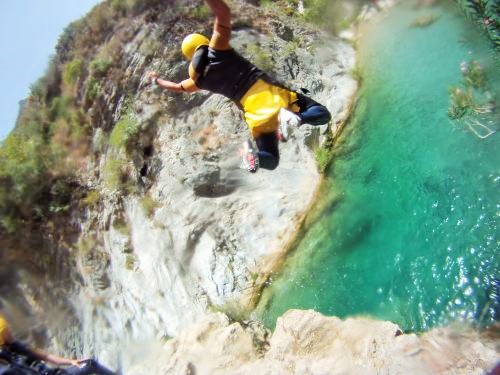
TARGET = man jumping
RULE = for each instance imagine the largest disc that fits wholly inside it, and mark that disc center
(270, 108)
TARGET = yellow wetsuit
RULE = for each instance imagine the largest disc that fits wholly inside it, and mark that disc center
(262, 103)
(229, 74)
(4, 326)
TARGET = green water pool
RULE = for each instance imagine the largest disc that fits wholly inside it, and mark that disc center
(406, 228)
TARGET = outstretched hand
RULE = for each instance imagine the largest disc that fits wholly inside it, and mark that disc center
(152, 76)
(79, 362)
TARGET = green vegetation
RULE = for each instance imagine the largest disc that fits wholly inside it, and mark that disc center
(266, 3)
(233, 309)
(486, 14)
(59, 107)
(124, 132)
(24, 166)
(324, 153)
(356, 73)
(72, 72)
(122, 139)
(94, 89)
(62, 194)
(121, 6)
(333, 15)
(127, 7)
(150, 47)
(260, 57)
(100, 20)
(116, 176)
(474, 74)
(48, 84)
(287, 7)
(202, 12)
(149, 205)
(323, 158)
(130, 262)
(121, 226)
(114, 173)
(85, 246)
(462, 100)
(99, 141)
(92, 198)
(42, 158)
(464, 97)
(290, 48)
(34, 184)
(100, 66)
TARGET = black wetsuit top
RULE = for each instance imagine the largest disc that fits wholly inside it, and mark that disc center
(224, 72)
(22, 358)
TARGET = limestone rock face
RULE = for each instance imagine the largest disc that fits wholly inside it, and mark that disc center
(177, 226)
(306, 342)
(216, 230)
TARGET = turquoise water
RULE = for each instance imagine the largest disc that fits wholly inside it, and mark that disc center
(407, 226)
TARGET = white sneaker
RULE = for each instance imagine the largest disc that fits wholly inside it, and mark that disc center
(250, 157)
(287, 120)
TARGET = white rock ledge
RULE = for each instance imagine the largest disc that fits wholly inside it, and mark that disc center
(306, 342)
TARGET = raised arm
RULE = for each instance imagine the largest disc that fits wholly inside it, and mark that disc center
(9, 339)
(188, 85)
(222, 27)
(54, 359)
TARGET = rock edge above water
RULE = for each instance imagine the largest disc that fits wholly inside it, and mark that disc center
(306, 342)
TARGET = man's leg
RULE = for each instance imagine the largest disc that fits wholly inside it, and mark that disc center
(269, 155)
(311, 112)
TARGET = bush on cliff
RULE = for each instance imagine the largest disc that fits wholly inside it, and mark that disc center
(24, 170)
(40, 157)
(124, 7)
(72, 72)
(100, 66)
(123, 133)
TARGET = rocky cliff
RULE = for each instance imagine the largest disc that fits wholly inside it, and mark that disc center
(125, 219)
(305, 342)
(158, 224)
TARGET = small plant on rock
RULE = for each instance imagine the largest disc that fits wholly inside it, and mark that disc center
(124, 132)
(473, 73)
(113, 174)
(150, 47)
(92, 198)
(149, 205)
(233, 310)
(130, 262)
(121, 226)
(72, 72)
(462, 100)
(100, 66)
(356, 73)
(260, 57)
(323, 157)
(94, 89)
(202, 12)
